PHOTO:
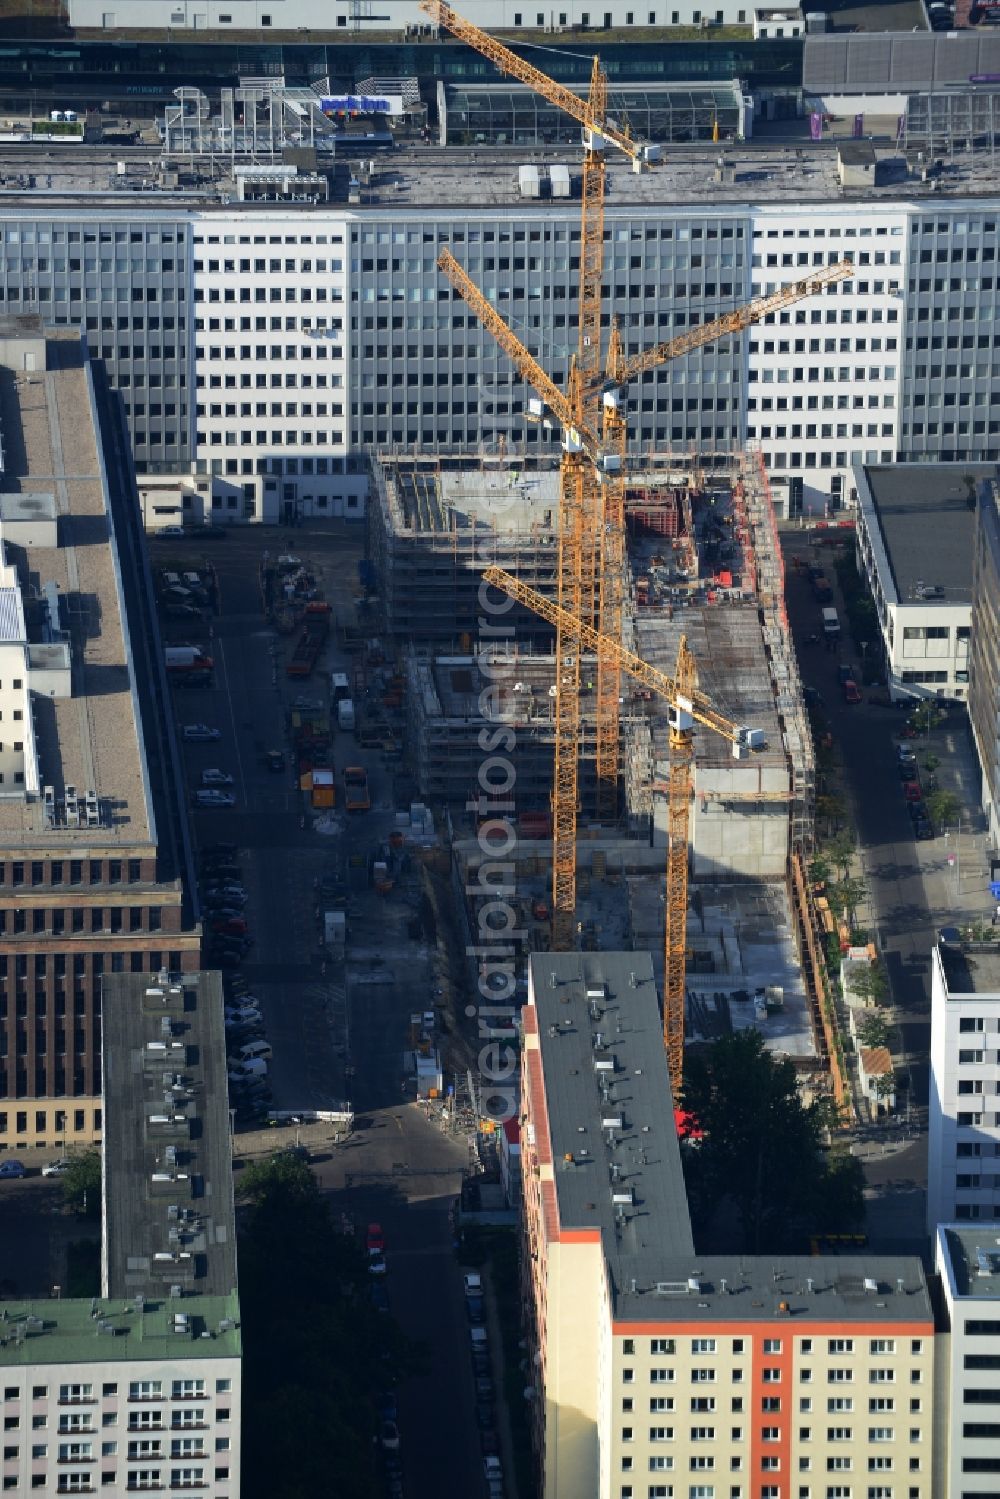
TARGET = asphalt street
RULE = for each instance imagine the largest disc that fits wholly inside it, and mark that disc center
(913, 889)
(338, 1030)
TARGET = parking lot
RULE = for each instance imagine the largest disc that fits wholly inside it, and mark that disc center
(335, 1026)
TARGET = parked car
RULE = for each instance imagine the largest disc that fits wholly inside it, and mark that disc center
(376, 1264)
(908, 770)
(489, 1441)
(200, 732)
(57, 1168)
(168, 531)
(484, 1387)
(484, 1416)
(375, 1239)
(912, 791)
(852, 693)
(230, 891)
(474, 1309)
(216, 777)
(379, 1296)
(230, 926)
(389, 1436)
(214, 799)
(219, 851)
(923, 830)
(387, 1405)
(245, 1010)
(12, 1168)
(845, 673)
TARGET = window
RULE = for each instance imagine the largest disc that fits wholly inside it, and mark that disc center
(75, 1392)
(840, 1345)
(187, 1389)
(145, 1389)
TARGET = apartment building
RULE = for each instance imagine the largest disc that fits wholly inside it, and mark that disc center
(93, 850)
(664, 1372)
(915, 529)
(401, 16)
(963, 1146)
(967, 1459)
(140, 1388)
(212, 322)
(984, 652)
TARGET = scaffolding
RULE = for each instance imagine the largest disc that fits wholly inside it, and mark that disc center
(769, 586)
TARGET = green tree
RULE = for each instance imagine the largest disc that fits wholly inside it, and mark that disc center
(840, 1205)
(81, 1183)
(847, 895)
(884, 1085)
(873, 1029)
(819, 870)
(870, 984)
(761, 1149)
(317, 1352)
(943, 807)
(832, 810)
(840, 850)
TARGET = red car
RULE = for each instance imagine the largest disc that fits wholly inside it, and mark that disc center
(912, 791)
(234, 926)
(375, 1239)
(851, 693)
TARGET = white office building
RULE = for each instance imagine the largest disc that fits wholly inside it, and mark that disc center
(265, 352)
(400, 16)
(963, 1150)
(967, 1434)
(916, 526)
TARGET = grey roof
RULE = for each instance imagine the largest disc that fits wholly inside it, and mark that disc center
(972, 968)
(169, 1216)
(856, 153)
(899, 62)
(928, 527)
(974, 1257)
(795, 1288)
(603, 1058)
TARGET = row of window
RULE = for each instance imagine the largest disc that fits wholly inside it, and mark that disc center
(878, 1405)
(707, 1464)
(82, 963)
(136, 1451)
(74, 919)
(259, 267)
(60, 1127)
(138, 1389)
(71, 871)
(661, 1374)
(769, 1491)
(773, 1434)
(771, 1345)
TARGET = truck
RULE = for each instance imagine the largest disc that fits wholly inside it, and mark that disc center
(345, 715)
(831, 623)
(312, 637)
(356, 797)
(184, 658)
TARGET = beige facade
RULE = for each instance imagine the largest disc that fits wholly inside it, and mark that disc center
(664, 1374)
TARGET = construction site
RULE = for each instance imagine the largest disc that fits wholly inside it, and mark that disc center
(703, 562)
(617, 632)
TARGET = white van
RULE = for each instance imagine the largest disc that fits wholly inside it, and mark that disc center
(340, 687)
(255, 1051)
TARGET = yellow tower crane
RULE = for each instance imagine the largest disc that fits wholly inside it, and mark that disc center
(687, 706)
(581, 504)
(604, 452)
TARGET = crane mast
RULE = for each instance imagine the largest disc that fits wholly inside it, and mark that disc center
(588, 611)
